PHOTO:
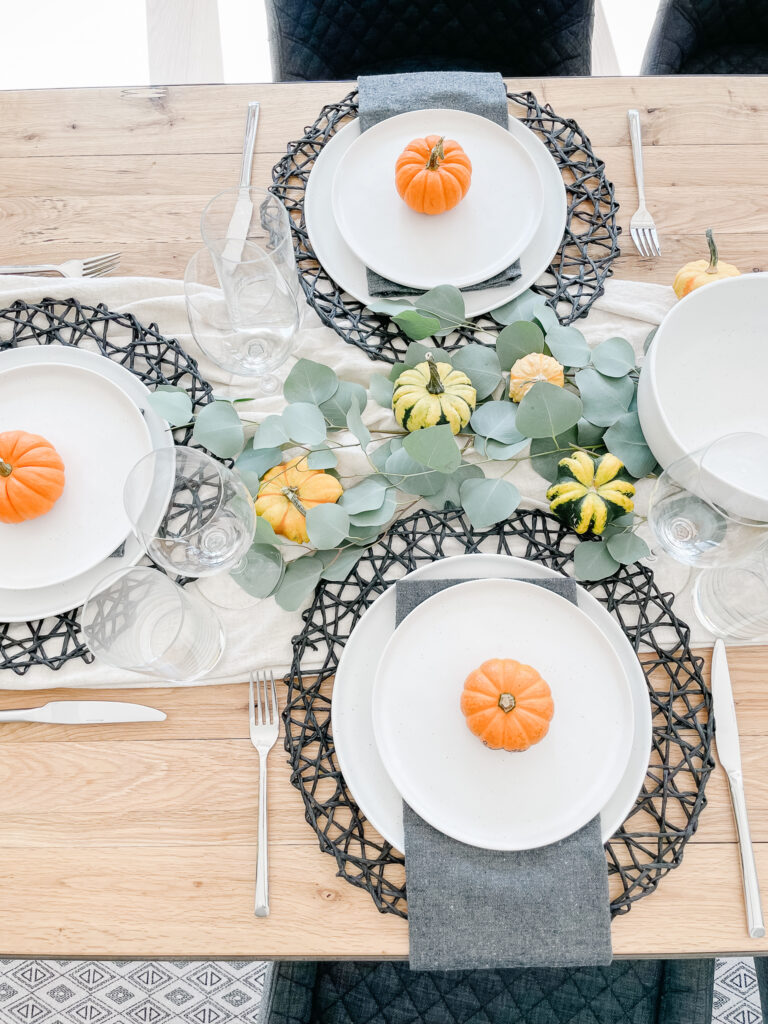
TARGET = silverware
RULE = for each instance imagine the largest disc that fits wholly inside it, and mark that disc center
(237, 231)
(84, 712)
(264, 723)
(729, 752)
(97, 266)
(641, 227)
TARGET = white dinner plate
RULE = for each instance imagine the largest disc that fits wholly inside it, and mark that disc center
(353, 737)
(499, 799)
(344, 267)
(39, 602)
(704, 377)
(481, 236)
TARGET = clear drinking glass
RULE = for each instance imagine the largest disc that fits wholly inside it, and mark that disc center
(193, 515)
(710, 508)
(242, 313)
(255, 215)
(733, 602)
(142, 621)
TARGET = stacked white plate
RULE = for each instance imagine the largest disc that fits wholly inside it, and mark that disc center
(399, 732)
(515, 209)
(96, 414)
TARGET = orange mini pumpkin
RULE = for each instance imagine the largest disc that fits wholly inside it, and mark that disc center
(507, 704)
(433, 174)
(529, 370)
(31, 476)
(288, 491)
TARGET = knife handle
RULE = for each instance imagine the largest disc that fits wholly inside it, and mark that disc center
(755, 921)
(20, 715)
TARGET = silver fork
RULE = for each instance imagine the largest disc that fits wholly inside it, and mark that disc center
(96, 266)
(264, 722)
(641, 227)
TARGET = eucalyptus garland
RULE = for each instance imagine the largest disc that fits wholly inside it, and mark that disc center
(538, 392)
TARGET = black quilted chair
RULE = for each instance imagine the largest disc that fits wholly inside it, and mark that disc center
(627, 992)
(709, 37)
(320, 40)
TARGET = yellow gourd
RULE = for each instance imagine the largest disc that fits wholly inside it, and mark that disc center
(432, 393)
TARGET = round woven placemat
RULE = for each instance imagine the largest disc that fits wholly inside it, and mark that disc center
(653, 837)
(575, 277)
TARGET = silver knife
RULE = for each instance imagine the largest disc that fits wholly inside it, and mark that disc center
(237, 232)
(84, 712)
(729, 752)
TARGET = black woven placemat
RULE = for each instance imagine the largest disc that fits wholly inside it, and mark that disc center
(142, 350)
(576, 275)
(653, 837)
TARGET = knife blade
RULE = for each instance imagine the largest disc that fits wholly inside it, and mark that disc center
(729, 752)
(237, 232)
(84, 712)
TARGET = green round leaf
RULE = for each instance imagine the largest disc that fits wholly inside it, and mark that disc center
(568, 346)
(449, 492)
(547, 410)
(446, 303)
(383, 450)
(496, 450)
(253, 463)
(481, 365)
(172, 404)
(381, 389)
(545, 316)
(626, 441)
(376, 517)
(593, 561)
(614, 357)
(356, 426)
(518, 340)
(337, 407)
(546, 452)
(434, 447)
(218, 428)
(487, 502)
(524, 307)
(417, 353)
(340, 562)
(327, 525)
(264, 533)
(627, 548)
(322, 457)
(364, 497)
(497, 420)
(270, 433)
(389, 307)
(605, 398)
(411, 476)
(304, 423)
(299, 581)
(589, 434)
(415, 325)
(262, 572)
(311, 382)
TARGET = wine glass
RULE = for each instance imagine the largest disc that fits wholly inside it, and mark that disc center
(144, 622)
(710, 508)
(242, 312)
(193, 515)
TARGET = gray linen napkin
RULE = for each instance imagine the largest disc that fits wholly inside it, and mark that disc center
(478, 92)
(486, 909)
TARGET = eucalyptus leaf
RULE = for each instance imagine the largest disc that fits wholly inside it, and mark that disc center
(545, 316)
(327, 525)
(524, 307)
(264, 533)
(487, 502)
(309, 381)
(627, 547)
(547, 410)
(253, 463)
(626, 441)
(546, 452)
(444, 302)
(568, 345)
(518, 340)
(613, 357)
(411, 476)
(416, 353)
(449, 493)
(593, 561)
(497, 420)
(322, 457)
(605, 398)
(376, 517)
(339, 563)
(383, 450)
(590, 435)
(270, 433)
(356, 426)
(304, 423)
(364, 497)
(172, 404)
(434, 447)
(263, 571)
(498, 451)
(218, 428)
(390, 307)
(362, 536)
(382, 388)
(299, 581)
(481, 365)
(336, 408)
(415, 325)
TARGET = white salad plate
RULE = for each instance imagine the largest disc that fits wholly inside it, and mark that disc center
(351, 706)
(18, 605)
(499, 799)
(704, 377)
(479, 237)
(349, 272)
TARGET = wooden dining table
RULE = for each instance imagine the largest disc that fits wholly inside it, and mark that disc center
(140, 840)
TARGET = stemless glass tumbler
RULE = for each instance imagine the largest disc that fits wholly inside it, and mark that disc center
(732, 603)
(142, 621)
(193, 515)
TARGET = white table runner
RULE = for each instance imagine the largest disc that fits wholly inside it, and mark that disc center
(260, 637)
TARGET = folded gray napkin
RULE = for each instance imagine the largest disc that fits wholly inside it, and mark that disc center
(383, 96)
(483, 909)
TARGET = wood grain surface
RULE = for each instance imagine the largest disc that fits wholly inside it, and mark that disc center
(140, 840)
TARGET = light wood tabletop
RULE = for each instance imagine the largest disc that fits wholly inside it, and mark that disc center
(140, 840)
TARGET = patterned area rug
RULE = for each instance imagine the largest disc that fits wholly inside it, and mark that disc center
(216, 992)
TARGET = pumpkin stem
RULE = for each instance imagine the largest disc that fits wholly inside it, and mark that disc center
(435, 385)
(712, 268)
(5, 468)
(507, 702)
(436, 156)
(292, 494)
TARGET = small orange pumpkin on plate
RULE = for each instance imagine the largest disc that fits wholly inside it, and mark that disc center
(507, 704)
(31, 476)
(433, 174)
